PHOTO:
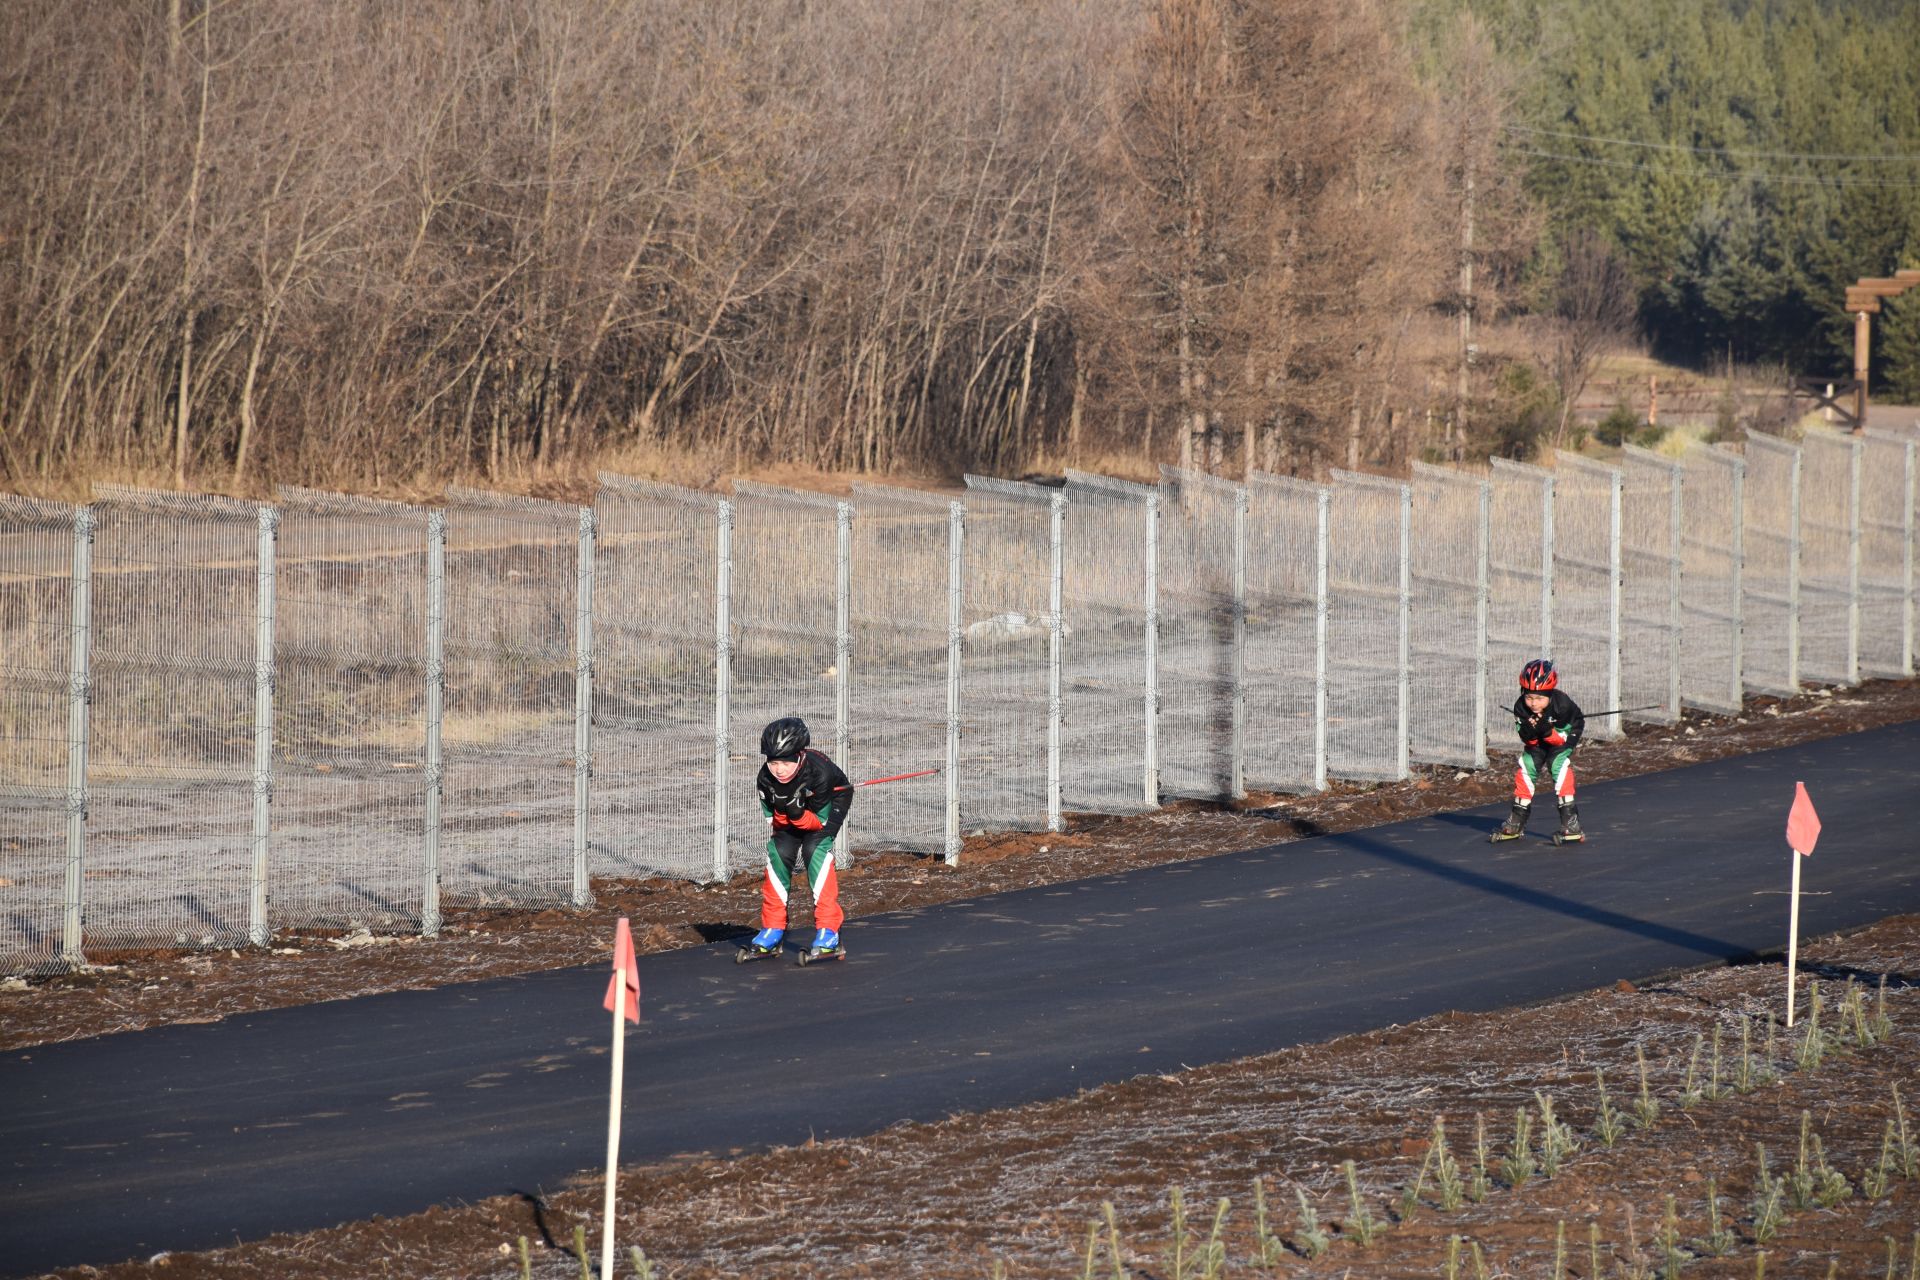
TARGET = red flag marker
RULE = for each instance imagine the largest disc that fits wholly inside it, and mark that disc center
(1803, 830)
(1803, 824)
(626, 972)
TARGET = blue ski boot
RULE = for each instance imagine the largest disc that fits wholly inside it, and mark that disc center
(764, 945)
(826, 946)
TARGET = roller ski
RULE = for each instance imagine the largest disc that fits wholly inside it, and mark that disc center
(1569, 832)
(1512, 829)
(826, 946)
(764, 945)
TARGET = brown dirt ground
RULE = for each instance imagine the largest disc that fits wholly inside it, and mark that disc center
(1018, 1188)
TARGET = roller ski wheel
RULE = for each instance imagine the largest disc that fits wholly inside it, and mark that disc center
(1569, 837)
(1504, 834)
(821, 957)
(749, 953)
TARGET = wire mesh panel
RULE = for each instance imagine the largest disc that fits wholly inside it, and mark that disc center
(1829, 558)
(36, 670)
(785, 580)
(1710, 579)
(1368, 628)
(1886, 554)
(1586, 587)
(512, 569)
(899, 607)
(1770, 568)
(654, 581)
(1286, 661)
(1650, 585)
(1005, 664)
(1519, 583)
(1105, 585)
(349, 695)
(1197, 610)
(170, 764)
(1446, 711)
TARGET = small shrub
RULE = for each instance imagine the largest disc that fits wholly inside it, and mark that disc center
(1743, 1081)
(1909, 1155)
(1310, 1238)
(1557, 1142)
(1690, 1092)
(1481, 1184)
(1769, 1196)
(1268, 1248)
(1446, 1170)
(1360, 1224)
(1875, 1182)
(1719, 1240)
(1813, 1042)
(1609, 1127)
(1645, 1109)
(1882, 1024)
(1673, 1256)
(1649, 436)
(1619, 426)
(1517, 1165)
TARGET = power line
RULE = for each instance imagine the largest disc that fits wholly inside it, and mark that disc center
(1866, 157)
(1708, 175)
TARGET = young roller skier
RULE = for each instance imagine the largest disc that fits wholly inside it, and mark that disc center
(805, 798)
(1550, 725)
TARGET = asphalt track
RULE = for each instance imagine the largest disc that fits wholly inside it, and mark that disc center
(192, 1137)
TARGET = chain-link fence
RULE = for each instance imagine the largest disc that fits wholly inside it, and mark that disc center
(1108, 580)
(785, 650)
(1202, 531)
(1369, 632)
(906, 683)
(348, 769)
(1010, 654)
(1519, 584)
(225, 719)
(508, 737)
(1710, 579)
(1650, 536)
(656, 742)
(1830, 558)
(170, 766)
(1286, 658)
(1770, 570)
(44, 549)
(1447, 703)
(1886, 553)
(1586, 587)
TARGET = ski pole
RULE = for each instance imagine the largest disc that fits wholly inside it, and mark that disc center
(1621, 711)
(898, 777)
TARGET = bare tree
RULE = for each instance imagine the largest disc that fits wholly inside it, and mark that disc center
(1593, 315)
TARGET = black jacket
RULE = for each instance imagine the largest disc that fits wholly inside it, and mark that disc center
(818, 792)
(1562, 716)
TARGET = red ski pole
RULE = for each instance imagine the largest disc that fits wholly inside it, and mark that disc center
(898, 777)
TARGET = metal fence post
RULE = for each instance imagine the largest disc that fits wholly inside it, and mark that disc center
(1738, 559)
(79, 705)
(258, 932)
(1546, 567)
(583, 709)
(722, 680)
(956, 594)
(1793, 572)
(1237, 750)
(1323, 521)
(1676, 532)
(436, 700)
(1853, 562)
(1402, 734)
(1055, 634)
(1152, 743)
(1906, 564)
(1615, 531)
(1482, 597)
(843, 659)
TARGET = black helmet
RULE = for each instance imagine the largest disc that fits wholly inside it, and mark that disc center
(785, 738)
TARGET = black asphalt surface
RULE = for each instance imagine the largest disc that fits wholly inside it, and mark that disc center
(192, 1137)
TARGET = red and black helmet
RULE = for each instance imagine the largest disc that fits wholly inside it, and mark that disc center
(1538, 676)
